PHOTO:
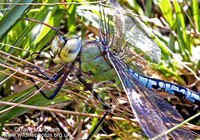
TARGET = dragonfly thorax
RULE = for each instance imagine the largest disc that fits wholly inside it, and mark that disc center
(65, 49)
(94, 63)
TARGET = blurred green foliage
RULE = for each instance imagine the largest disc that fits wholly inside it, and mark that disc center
(179, 36)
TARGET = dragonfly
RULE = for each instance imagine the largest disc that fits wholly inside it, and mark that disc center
(105, 59)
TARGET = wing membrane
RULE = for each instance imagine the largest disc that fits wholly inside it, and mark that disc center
(126, 35)
(122, 32)
(154, 114)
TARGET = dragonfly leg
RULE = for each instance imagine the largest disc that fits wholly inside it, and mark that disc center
(45, 46)
(97, 125)
(60, 85)
(93, 92)
(57, 89)
(99, 99)
(52, 79)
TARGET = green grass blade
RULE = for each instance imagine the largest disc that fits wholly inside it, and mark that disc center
(10, 18)
(71, 17)
(135, 5)
(148, 7)
(181, 28)
(37, 100)
(165, 6)
(196, 14)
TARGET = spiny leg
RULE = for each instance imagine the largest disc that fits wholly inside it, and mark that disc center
(45, 46)
(54, 78)
(99, 99)
(59, 74)
(53, 94)
(60, 85)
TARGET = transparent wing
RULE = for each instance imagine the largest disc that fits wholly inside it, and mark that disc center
(125, 33)
(113, 28)
(154, 114)
(128, 36)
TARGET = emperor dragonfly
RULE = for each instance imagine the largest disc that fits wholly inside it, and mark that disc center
(106, 62)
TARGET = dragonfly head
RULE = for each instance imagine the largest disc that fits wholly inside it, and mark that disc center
(65, 49)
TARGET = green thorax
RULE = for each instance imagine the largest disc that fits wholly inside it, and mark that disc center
(94, 63)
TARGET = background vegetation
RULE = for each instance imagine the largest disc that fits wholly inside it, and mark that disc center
(175, 25)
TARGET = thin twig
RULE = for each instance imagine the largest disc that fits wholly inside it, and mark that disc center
(65, 112)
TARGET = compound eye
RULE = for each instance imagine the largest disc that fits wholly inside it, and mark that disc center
(71, 49)
(57, 44)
